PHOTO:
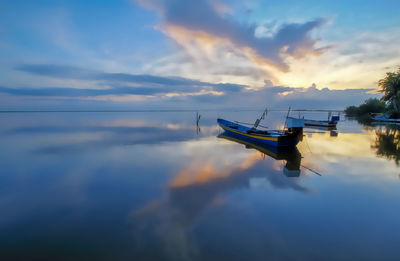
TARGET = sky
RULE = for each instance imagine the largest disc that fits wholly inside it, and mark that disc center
(205, 54)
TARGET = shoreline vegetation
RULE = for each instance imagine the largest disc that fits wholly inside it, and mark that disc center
(389, 104)
(370, 106)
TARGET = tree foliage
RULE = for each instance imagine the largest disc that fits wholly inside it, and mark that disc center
(389, 103)
(390, 87)
(371, 105)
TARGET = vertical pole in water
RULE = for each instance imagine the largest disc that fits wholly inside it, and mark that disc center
(197, 118)
(197, 121)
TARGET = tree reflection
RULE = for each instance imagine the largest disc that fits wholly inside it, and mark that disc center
(387, 142)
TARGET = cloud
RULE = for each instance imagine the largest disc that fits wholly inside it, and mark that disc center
(221, 48)
(116, 83)
(356, 62)
(58, 71)
(311, 97)
(274, 97)
(202, 19)
(74, 92)
(137, 90)
(281, 97)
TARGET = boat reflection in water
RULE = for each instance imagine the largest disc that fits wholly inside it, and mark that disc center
(292, 156)
(333, 132)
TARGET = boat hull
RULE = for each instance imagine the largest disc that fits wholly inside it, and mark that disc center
(386, 120)
(315, 123)
(240, 131)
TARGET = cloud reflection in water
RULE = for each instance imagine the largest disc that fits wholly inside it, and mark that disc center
(203, 184)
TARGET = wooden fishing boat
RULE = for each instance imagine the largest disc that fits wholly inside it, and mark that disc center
(381, 117)
(276, 138)
(330, 123)
(317, 123)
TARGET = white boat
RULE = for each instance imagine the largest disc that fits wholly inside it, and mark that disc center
(319, 123)
(329, 123)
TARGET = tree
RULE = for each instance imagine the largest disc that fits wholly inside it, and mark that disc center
(351, 111)
(371, 105)
(390, 86)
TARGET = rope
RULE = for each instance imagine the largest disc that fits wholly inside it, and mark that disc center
(313, 171)
(307, 144)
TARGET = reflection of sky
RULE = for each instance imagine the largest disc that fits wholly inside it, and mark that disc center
(147, 185)
(339, 156)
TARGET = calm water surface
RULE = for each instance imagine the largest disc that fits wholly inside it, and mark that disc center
(151, 186)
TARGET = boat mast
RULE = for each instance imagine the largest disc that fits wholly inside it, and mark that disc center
(287, 116)
(264, 114)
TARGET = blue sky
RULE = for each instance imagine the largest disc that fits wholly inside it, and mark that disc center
(255, 53)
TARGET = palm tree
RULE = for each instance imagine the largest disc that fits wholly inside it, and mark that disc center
(390, 86)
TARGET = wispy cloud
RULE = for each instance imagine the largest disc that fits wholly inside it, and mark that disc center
(201, 19)
(115, 83)
(75, 92)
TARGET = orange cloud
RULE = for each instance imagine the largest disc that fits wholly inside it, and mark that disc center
(210, 37)
(207, 50)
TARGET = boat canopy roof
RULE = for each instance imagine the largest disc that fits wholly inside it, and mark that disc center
(294, 123)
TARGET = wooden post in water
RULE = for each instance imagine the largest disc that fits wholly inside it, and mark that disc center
(198, 116)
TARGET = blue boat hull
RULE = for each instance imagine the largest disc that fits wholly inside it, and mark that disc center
(240, 131)
(281, 143)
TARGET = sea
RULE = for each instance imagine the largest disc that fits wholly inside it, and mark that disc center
(165, 185)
